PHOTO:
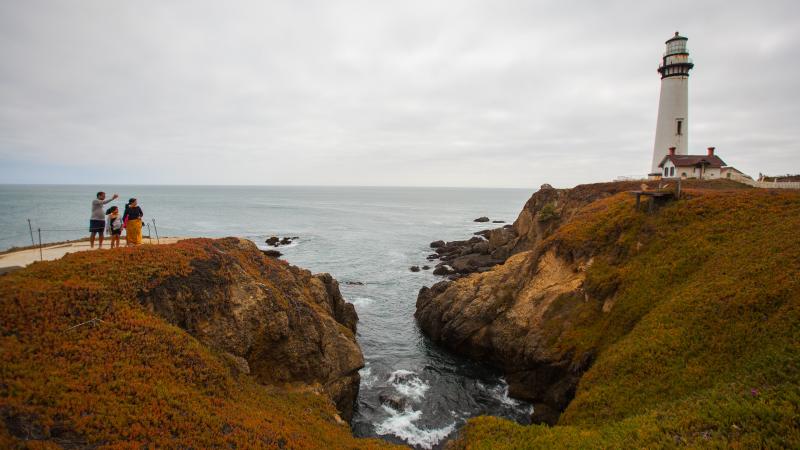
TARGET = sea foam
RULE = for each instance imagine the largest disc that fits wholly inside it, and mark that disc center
(367, 378)
(408, 384)
(401, 424)
(500, 393)
(360, 302)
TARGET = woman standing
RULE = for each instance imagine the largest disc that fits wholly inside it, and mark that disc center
(133, 222)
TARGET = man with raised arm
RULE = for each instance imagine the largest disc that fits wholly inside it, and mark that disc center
(97, 223)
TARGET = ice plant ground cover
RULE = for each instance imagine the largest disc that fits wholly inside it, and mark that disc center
(130, 378)
(700, 346)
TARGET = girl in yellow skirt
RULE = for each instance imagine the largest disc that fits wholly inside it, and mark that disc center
(133, 223)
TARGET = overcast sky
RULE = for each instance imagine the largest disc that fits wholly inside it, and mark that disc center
(411, 93)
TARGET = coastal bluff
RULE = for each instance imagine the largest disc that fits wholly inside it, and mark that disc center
(202, 343)
(627, 328)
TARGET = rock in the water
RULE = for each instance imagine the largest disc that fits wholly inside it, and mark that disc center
(275, 241)
(481, 219)
(414, 268)
(432, 256)
(437, 244)
(354, 283)
(395, 401)
(498, 221)
(426, 267)
(443, 270)
(272, 253)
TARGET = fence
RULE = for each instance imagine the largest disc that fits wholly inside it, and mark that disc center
(763, 184)
(37, 240)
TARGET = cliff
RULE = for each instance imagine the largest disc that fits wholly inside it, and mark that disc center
(203, 343)
(633, 329)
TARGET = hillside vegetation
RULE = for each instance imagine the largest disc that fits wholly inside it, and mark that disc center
(154, 371)
(679, 328)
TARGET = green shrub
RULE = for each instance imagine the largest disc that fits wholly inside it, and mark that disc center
(548, 213)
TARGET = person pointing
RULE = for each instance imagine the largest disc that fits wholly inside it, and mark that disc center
(97, 223)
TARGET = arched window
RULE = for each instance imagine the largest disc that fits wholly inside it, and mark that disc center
(666, 171)
(672, 171)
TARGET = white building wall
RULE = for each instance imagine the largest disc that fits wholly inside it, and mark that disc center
(667, 173)
(673, 105)
(694, 172)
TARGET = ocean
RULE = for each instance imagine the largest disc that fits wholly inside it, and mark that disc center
(369, 235)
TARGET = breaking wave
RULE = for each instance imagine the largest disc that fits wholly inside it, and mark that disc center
(500, 393)
(408, 384)
(360, 302)
(401, 424)
(367, 378)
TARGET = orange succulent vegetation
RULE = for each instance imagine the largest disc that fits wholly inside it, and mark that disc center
(129, 378)
(699, 346)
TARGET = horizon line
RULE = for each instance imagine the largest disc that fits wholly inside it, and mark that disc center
(269, 185)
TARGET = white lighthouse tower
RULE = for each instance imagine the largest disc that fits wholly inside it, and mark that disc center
(672, 128)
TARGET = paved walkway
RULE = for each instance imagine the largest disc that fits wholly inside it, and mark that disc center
(22, 258)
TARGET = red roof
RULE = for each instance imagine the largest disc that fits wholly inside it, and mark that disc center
(712, 161)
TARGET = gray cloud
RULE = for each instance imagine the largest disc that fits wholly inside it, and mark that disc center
(464, 93)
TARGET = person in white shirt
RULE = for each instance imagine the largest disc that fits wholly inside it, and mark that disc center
(97, 222)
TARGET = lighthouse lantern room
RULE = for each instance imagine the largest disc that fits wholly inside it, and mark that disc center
(672, 127)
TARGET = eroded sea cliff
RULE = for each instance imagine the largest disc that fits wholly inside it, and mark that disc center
(199, 344)
(628, 328)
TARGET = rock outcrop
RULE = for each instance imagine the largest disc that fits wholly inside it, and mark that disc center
(288, 325)
(544, 212)
(275, 241)
(519, 290)
(199, 344)
(630, 329)
(497, 316)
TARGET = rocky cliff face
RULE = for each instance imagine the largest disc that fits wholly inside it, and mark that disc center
(671, 329)
(542, 214)
(280, 323)
(540, 315)
(499, 315)
(200, 344)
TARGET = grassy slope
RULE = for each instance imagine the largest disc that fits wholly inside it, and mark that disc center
(134, 379)
(701, 345)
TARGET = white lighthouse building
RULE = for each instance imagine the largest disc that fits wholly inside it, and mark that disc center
(672, 127)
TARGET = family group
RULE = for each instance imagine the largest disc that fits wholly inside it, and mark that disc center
(110, 221)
